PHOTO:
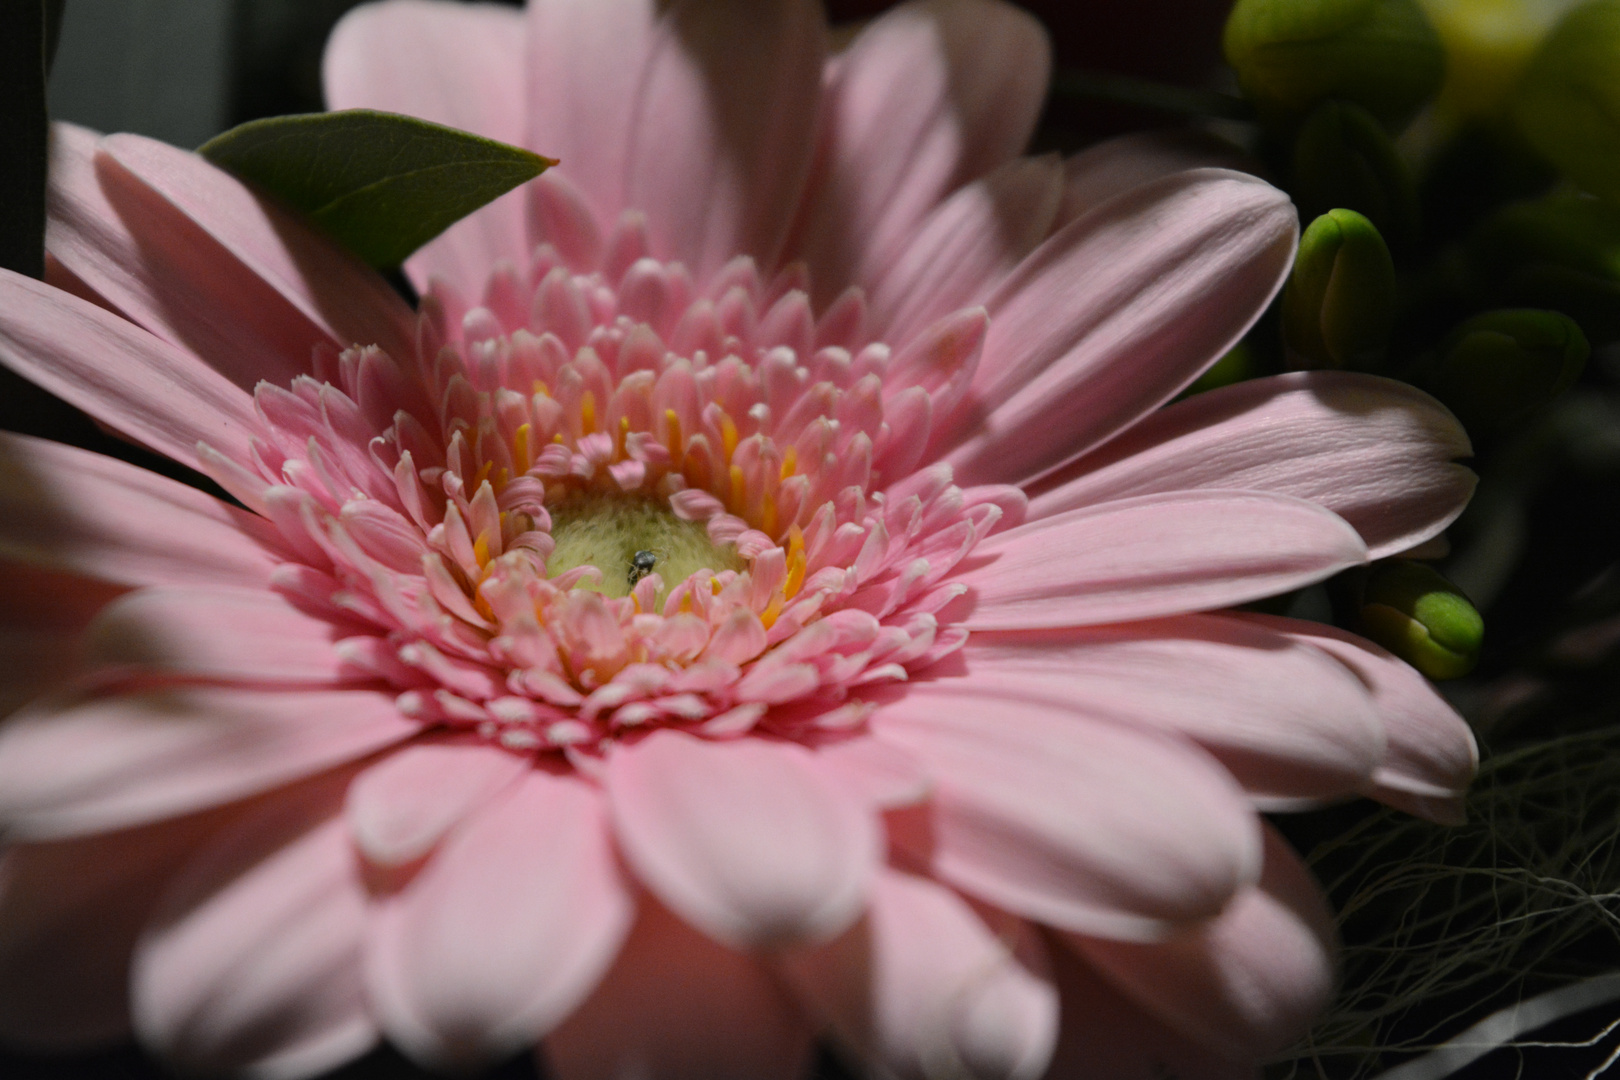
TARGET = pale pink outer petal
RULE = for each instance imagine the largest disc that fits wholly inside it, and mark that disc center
(70, 510)
(69, 916)
(1248, 982)
(1115, 314)
(724, 128)
(931, 95)
(461, 65)
(42, 614)
(1071, 821)
(86, 765)
(251, 964)
(1117, 165)
(880, 772)
(510, 925)
(123, 240)
(1291, 725)
(586, 63)
(1105, 1035)
(156, 394)
(1432, 754)
(966, 246)
(216, 633)
(1379, 453)
(1153, 555)
(922, 987)
(327, 285)
(749, 841)
(678, 1006)
(401, 807)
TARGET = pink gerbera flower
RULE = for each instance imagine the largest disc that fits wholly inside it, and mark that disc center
(759, 596)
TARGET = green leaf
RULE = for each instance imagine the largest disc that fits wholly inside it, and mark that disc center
(381, 184)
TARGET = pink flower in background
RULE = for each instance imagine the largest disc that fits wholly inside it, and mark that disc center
(758, 597)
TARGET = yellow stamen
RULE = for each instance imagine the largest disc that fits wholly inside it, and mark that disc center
(767, 516)
(790, 462)
(587, 414)
(481, 550)
(677, 447)
(796, 560)
(520, 448)
(772, 609)
(739, 491)
(624, 433)
(728, 435)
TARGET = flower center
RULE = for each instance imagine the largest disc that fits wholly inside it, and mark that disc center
(629, 538)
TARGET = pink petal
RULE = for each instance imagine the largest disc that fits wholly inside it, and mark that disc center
(723, 129)
(1075, 822)
(1378, 453)
(1115, 314)
(69, 916)
(922, 987)
(1104, 1034)
(86, 765)
(507, 929)
(881, 773)
(42, 614)
(586, 63)
(251, 964)
(332, 289)
(401, 807)
(1290, 725)
(964, 249)
(455, 64)
(676, 1005)
(230, 634)
(170, 278)
(931, 95)
(1111, 168)
(1248, 982)
(1432, 754)
(748, 841)
(1154, 555)
(154, 393)
(77, 512)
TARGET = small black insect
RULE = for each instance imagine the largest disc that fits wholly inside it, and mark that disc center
(641, 564)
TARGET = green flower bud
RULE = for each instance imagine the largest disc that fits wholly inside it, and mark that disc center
(1293, 54)
(1561, 252)
(1409, 609)
(1344, 158)
(1497, 369)
(1568, 105)
(1339, 303)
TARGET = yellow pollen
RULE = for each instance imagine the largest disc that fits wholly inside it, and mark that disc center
(481, 550)
(558, 438)
(790, 461)
(520, 448)
(739, 491)
(587, 414)
(624, 433)
(483, 474)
